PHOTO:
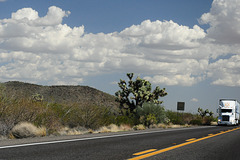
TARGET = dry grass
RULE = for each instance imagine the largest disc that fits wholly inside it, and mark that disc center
(164, 126)
(187, 125)
(125, 127)
(90, 131)
(73, 131)
(103, 129)
(113, 128)
(214, 123)
(139, 127)
(10, 136)
(26, 129)
(174, 126)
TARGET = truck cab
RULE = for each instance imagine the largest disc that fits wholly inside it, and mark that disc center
(228, 112)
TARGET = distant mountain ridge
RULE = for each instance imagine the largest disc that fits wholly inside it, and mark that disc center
(60, 94)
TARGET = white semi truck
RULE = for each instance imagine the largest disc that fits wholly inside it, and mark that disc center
(228, 112)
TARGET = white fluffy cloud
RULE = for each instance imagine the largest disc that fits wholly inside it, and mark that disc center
(164, 35)
(224, 34)
(43, 50)
(226, 71)
(224, 21)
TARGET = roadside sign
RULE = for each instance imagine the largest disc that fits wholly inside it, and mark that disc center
(180, 106)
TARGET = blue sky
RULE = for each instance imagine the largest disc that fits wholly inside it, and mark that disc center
(191, 48)
(110, 16)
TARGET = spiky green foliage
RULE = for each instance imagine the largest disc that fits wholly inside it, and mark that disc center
(203, 113)
(136, 92)
(151, 113)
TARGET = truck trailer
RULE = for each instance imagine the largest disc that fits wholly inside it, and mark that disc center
(228, 112)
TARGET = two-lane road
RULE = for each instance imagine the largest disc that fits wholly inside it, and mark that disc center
(187, 143)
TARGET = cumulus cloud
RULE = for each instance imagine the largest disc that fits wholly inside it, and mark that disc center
(226, 71)
(224, 36)
(30, 16)
(31, 45)
(224, 21)
(27, 32)
(43, 50)
(164, 35)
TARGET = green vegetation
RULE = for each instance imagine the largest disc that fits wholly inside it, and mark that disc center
(28, 115)
(204, 113)
(151, 113)
(53, 116)
(135, 93)
(204, 117)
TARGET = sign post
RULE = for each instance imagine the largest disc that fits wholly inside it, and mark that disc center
(180, 107)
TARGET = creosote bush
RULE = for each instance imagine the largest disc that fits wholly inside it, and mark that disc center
(88, 116)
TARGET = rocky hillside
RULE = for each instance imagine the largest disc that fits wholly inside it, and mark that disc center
(60, 94)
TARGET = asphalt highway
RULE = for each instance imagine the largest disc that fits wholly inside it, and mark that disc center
(185, 143)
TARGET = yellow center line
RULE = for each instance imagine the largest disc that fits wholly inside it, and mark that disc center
(190, 139)
(143, 152)
(180, 145)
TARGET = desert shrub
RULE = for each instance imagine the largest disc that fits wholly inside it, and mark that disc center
(13, 111)
(88, 116)
(196, 122)
(151, 113)
(174, 117)
(148, 120)
(187, 117)
(207, 120)
(54, 116)
(4, 128)
(203, 121)
(181, 117)
(124, 119)
(26, 129)
(26, 110)
(6, 121)
(51, 121)
(59, 112)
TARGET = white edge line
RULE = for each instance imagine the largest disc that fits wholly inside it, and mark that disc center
(91, 138)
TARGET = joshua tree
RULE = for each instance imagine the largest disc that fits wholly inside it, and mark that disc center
(203, 113)
(135, 93)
